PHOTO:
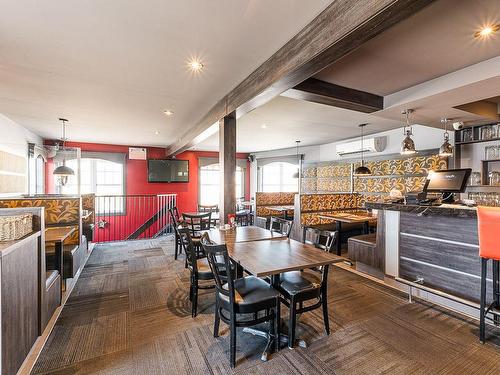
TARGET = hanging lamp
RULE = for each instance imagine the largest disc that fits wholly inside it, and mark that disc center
(407, 146)
(362, 170)
(446, 148)
(296, 174)
(63, 172)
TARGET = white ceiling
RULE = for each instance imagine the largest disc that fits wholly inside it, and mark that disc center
(436, 41)
(112, 67)
(288, 120)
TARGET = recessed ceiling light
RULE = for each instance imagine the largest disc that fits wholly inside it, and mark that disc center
(195, 65)
(168, 112)
(487, 31)
(157, 132)
(263, 126)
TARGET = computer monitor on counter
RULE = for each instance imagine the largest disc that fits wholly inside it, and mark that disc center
(447, 182)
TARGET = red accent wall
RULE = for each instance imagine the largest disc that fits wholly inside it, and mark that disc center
(137, 174)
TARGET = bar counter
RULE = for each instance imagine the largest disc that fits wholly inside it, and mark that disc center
(435, 246)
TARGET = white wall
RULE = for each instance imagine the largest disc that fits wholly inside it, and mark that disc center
(14, 139)
(425, 138)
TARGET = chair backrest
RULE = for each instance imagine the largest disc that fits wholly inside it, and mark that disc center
(188, 246)
(174, 216)
(198, 222)
(281, 226)
(220, 264)
(488, 226)
(322, 239)
(208, 208)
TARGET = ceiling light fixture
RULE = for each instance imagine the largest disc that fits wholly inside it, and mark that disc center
(362, 170)
(195, 65)
(487, 31)
(446, 148)
(263, 126)
(407, 146)
(297, 174)
(168, 112)
(63, 172)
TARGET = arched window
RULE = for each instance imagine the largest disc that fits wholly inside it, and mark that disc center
(278, 176)
(102, 177)
(210, 184)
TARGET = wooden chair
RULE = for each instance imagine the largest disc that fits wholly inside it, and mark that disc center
(281, 226)
(248, 295)
(198, 222)
(243, 216)
(174, 217)
(214, 208)
(198, 267)
(298, 287)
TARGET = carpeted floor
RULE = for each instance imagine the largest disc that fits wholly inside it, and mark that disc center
(129, 314)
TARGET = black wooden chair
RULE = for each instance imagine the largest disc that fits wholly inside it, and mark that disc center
(281, 226)
(243, 215)
(174, 218)
(198, 222)
(298, 287)
(198, 267)
(213, 208)
(239, 301)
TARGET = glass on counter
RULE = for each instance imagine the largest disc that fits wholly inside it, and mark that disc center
(485, 199)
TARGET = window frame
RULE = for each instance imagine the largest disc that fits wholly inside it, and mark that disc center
(117, 158)
(260, 176)
(243, 179)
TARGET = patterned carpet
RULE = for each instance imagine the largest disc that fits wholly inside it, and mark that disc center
(129, 314)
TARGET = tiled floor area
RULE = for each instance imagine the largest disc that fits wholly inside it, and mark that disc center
(129, 313)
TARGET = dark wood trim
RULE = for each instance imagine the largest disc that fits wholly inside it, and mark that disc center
(317, 91)
(341, 28)
(227, 166)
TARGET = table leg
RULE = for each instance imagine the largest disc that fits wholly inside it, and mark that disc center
(366, 227)
(59, 264)
(338, 228)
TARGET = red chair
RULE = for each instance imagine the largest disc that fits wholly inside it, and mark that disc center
(488, 220)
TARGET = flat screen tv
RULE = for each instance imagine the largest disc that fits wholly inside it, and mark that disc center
(168, 170)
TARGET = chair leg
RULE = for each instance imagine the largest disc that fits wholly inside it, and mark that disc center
(324, 304)
(217, 318)
(176, 246)
(194, 302)
(496, 290)
(232, 347)
(277, 323)
(484, 263)
(291, 324)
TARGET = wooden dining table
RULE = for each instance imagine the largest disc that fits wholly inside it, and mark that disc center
(350, 217)
(57, 236)
(283, 209)
(242, 234)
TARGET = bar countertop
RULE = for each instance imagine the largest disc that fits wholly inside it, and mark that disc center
(454, 210)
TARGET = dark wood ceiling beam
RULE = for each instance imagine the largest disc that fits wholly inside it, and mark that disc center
(342, 27)
(317, 91)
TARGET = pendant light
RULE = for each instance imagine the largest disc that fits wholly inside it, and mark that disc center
(362, 170)
(296, 174)
(408, 146)
(446, 148)
(63, 172)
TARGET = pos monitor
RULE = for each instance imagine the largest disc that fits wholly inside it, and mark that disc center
(448, 182)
